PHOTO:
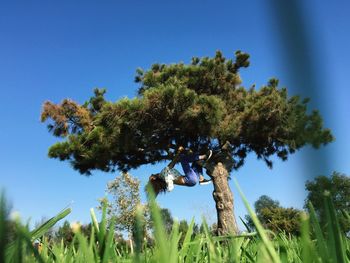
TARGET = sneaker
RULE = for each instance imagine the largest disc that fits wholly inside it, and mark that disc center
(205, 158)
(203, 162)
(205, 182)
(210, 153)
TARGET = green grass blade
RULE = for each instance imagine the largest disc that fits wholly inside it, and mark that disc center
(267, 243)
(161, 248)
(321, 241)
(17, 244)
(308, 251)
(185, 245)
(346, 215)
(139, 231)
(94, 220)
(109, 243)
(103, 224)
(173, 243)
(245, 224)
(41, 230)
(3, 226)
(336, 242)
(213, 247)
(84, 248)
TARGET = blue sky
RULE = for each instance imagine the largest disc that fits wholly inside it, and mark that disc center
(55, 50)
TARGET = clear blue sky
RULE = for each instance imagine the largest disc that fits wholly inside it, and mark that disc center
(51, 50)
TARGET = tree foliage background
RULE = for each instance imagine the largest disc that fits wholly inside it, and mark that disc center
(338, 185)
(275, 217)
(199, 105)
(125, 193)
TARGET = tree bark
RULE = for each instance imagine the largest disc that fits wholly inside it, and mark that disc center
(131, 243)
(224, 200)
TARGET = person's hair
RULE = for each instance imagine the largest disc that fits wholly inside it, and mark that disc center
(157, 184)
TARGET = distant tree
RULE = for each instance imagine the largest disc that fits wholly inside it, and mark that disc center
(264, 201)
(8, 231)
(86, 230)
(183, 228)
(200, 106)
(125, 192)
(338, 185)
(274, 217)
(65, 233)
(279, 219)
(167, 219)
(214, 228)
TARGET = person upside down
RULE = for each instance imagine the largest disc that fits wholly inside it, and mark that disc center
(192, 165)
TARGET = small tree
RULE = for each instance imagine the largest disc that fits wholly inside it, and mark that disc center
(200, 106)
(65, 233)
(167, 219)
(125, 191)
(274, 217)
(338, 185)
(265, 201)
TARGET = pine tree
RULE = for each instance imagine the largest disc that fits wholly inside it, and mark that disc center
(201, 106)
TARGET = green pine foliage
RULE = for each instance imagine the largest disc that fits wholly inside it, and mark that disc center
(201, 105)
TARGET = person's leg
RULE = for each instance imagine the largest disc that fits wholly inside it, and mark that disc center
(190, 178)
(198, 168)
(184, 181)
(190, 157)
(180, 180)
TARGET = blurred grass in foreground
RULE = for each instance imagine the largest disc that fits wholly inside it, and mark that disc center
(313, 245)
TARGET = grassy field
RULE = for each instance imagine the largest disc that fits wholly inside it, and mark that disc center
(314, 245)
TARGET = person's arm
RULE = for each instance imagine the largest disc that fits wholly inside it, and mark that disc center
(176, 158)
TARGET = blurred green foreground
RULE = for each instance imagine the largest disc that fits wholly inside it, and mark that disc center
(326, 243)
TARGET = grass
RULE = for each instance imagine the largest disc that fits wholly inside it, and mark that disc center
(313, 245)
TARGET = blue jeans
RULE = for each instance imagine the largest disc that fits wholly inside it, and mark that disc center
(192, 172)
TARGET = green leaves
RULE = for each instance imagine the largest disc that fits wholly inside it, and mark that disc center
(267, 244)
(197, 105)
(338, 185)
(275, 217)
(242, 59)
(125, 193)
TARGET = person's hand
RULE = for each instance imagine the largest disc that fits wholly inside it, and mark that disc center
(180, 149)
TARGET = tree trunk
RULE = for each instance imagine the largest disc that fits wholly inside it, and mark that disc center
(131, 243)
(224, 200)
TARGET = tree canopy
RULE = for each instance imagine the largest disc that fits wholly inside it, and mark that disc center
(275, 217)
(338, 185)
(201, 105)
(125, 193)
